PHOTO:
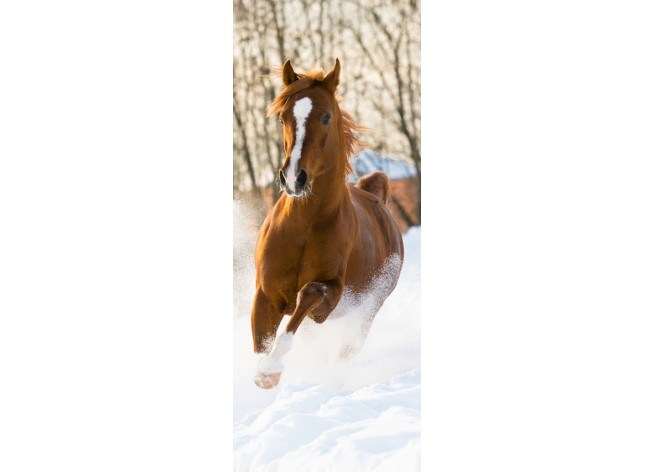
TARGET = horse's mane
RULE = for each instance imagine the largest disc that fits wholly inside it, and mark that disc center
(308, 80)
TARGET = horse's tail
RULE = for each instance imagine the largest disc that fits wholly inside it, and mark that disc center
(376, 183)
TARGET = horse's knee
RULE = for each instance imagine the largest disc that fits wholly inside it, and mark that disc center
(319, 317)
(316, 299)
(328, 294)
(312, 290)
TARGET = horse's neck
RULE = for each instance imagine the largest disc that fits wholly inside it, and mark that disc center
(329, 195)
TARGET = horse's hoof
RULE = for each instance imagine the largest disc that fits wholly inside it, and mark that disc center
(263, 380)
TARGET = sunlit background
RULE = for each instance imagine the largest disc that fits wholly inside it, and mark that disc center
(378, 45)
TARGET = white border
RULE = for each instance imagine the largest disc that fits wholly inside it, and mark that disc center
(115, 252)
(539, 204)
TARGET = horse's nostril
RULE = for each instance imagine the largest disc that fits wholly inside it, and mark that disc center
(281, 176)
(302, 178)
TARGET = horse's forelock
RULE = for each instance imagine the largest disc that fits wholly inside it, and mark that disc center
(304, 82)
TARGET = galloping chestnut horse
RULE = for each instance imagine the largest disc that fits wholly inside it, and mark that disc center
(323, 236)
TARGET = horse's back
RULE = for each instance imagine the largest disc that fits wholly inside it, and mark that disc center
(376, 183)
(379, 241)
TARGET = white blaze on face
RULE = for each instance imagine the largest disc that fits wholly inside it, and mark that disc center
(300, 111)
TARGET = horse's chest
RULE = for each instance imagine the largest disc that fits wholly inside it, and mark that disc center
(286, 266)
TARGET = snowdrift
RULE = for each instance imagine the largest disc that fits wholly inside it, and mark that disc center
(328, 413)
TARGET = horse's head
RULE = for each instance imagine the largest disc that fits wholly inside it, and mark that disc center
(313, 128)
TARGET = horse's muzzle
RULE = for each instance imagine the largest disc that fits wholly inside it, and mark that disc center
(296, 188)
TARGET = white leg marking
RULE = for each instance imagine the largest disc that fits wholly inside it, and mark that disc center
(272, 363)
(300, 111)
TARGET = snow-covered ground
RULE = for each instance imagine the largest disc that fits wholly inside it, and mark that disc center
(369, 161)
(327, 413)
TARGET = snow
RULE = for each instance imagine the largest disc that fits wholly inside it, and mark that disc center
(327, 413)
(368, 161)
(371, 428)
(273, 362)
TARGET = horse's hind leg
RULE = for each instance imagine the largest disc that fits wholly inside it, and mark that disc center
(352, 345)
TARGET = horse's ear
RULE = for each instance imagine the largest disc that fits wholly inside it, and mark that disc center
(288, 75)
(332, 79)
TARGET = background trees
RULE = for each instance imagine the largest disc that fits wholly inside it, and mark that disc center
(378, 44)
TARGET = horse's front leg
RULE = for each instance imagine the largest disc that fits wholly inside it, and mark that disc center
(317, 299)
(264, 319)
(320, 297)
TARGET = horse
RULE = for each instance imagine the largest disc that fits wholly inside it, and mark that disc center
(323, 236)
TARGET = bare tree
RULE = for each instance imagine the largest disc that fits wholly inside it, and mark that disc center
(377, 41)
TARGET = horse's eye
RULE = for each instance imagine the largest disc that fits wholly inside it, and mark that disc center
(326, 118)
(281, 120)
